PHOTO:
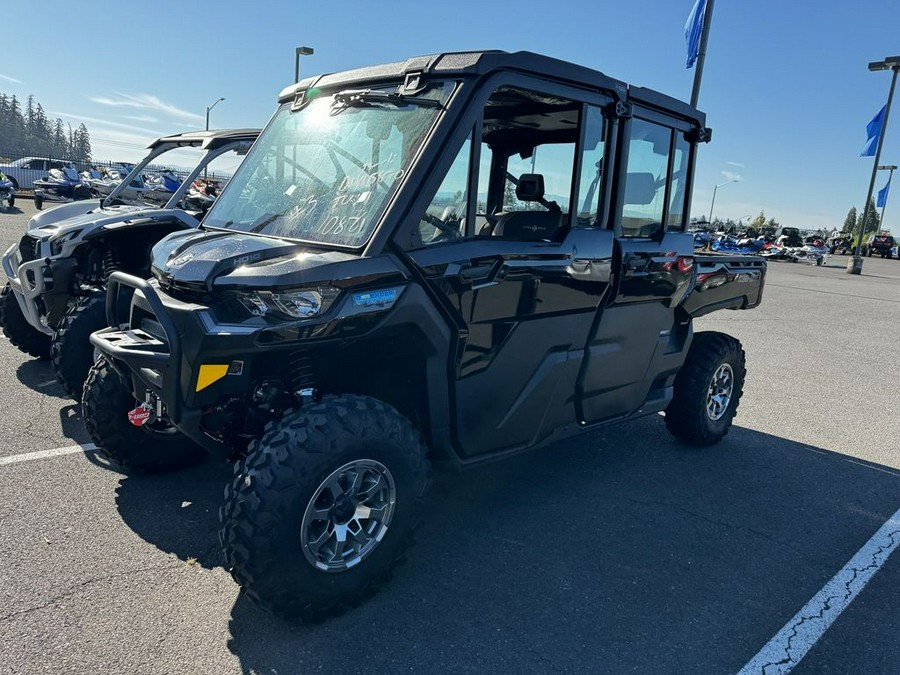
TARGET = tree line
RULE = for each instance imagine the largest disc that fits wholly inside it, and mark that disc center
(854, 219)
(31, 132)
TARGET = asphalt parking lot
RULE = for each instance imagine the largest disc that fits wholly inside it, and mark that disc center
(620, 552)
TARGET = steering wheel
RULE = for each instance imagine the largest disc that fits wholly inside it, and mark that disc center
(447, 225)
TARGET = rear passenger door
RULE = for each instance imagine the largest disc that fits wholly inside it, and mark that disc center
(635, 348)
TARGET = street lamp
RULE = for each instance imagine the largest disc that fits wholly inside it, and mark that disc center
(298, 52)
(891, 168)
(716, 189)
(210, 107)
(855, 264)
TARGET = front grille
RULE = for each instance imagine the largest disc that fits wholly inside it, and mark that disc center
(186, 291)
(29, 248)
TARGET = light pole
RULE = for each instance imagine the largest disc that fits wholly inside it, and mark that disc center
(891, 168)
(716, 189)
(855, 264)
(298, 52)
(210, 107)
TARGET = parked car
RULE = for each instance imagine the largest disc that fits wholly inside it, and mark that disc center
(879, 243)
(23, 172)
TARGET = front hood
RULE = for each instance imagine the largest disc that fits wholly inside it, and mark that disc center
(213, 258)
(96, 219)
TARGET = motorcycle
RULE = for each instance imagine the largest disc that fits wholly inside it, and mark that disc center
(60, 185)
(7, 191)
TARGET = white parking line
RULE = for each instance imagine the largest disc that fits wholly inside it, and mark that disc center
(790, 645)
(43, 454)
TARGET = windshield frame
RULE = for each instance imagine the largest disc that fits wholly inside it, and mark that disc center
(446, 91)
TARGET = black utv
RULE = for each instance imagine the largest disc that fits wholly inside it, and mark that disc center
(451, 260)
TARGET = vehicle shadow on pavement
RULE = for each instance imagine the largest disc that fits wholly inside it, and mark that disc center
(623, 553)
(38, 376)
(178, 512)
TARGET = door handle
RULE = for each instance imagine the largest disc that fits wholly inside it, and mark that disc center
(483, 274)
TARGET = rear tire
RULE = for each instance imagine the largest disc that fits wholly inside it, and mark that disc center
(71, 351)
(12, 202)
(105, 403)
(18, 331)
(708, 389)
(349, 466)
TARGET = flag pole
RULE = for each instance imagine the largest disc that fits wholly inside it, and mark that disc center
(701, 55)
(884, 206)
(855, 264)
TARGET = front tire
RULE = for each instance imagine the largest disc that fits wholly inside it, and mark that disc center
(708, 389)
(323, 506)
(105, 403)
(38, 202)
(18, 331)
(71, 351)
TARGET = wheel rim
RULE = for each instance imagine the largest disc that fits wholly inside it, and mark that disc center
(348, 515)
(721, 388)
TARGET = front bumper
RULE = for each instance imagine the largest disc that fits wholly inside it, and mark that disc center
(34, 282)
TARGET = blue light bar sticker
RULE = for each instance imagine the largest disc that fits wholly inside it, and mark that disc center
(380, 298)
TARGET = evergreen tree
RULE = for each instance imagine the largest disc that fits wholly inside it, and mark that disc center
(850, 221)
(759, 222)
(873, 221)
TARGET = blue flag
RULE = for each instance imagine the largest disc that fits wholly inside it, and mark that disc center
(882, 195)
(693, 29)
(873, 133)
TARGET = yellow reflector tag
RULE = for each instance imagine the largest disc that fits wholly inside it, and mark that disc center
(209, 374)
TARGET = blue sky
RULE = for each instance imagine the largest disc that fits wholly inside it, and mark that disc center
(786, 88)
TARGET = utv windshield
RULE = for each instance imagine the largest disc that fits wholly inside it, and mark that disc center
(325, 173)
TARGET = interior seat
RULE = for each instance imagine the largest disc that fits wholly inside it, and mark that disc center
(530, 225)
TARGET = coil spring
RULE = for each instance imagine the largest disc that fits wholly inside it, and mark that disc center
(111, 263)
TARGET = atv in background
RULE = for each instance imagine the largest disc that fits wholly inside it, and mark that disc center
(55, 293)
(842, 244)
(454, 259)
(880, 244)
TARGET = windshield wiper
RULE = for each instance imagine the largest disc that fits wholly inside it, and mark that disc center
(358, 98)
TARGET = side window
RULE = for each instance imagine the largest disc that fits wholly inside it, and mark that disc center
(645, 182)
(675, 218)
(527, 152)
(554, 163)
(588, 195)
(445, 217)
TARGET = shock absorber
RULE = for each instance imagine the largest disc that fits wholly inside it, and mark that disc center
(111, 262)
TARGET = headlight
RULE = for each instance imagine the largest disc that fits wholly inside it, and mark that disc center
(296, 304)
(56, 244)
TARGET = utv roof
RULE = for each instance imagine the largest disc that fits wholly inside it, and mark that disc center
(480, 63)
(208, 140)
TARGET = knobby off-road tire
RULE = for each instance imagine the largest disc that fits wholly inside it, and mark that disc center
(71, 351)
(708, 389)
(105, 402)
(18, 331)
(294, 491)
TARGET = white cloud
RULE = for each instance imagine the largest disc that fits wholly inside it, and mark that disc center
(140, 118)
(10, 79)
(737, 164)
(103, 123)
(146, 102)
(731, 175)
